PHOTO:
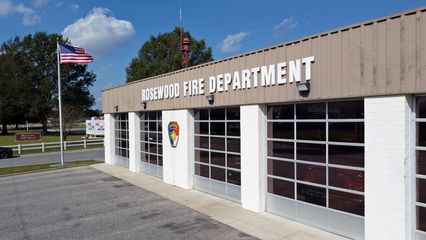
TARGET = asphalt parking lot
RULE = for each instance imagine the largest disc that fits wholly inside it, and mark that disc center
(83, 203)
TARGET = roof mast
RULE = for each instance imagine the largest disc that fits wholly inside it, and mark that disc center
(185, 45)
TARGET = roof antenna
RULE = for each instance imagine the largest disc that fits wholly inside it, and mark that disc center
(185, 45)
(180, 19)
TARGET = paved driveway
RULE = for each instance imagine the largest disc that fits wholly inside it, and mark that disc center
(53, 157)
(83, 203)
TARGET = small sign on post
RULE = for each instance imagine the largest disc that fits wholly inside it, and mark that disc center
(27, 137)
(95, 126)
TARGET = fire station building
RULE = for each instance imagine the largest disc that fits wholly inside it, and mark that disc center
(328, 130)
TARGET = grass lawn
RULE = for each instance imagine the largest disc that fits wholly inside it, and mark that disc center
(44, 167)
(9, 140)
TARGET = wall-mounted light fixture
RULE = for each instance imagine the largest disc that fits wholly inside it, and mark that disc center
(303, 87)
(210, 98)
(144, 104)
(116, 108)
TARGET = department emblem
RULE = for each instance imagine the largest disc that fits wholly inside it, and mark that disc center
(173, 133)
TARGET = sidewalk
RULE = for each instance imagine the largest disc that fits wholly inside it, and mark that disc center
(260, 225)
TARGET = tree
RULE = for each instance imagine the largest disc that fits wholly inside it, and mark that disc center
(161, 54)
(13, 79)
(70, 116)
(31, 62)
(94, 113)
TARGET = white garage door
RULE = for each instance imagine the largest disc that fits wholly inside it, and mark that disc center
(217, 152)
(151, 143)
(315, 171)
(121, 123)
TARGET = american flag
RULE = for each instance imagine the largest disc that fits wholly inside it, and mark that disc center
(74, 55)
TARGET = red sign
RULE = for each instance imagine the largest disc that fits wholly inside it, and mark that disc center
(27, 137)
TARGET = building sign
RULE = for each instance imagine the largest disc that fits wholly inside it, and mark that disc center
(95, 126)
(263, 76)
(27, 137)
(173, 130)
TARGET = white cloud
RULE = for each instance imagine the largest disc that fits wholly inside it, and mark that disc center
(99, 32)
(40, 3)
(6, 7)
(29, 17)
(232, 42)
(285, 25)
(75, 7)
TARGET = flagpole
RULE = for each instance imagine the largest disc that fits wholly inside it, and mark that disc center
(60, 103)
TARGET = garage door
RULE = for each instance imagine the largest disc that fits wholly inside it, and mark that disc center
(420, 177)
(121, 124)
(151, 143)
(315, 164)
(217, 152)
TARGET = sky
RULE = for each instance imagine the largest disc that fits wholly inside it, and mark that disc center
(113, 31)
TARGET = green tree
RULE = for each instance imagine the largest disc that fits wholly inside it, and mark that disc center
(32, 61)
(13, 79)
(161, 54)
(94, 113)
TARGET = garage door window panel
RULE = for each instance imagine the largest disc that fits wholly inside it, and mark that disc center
(151, 137)
(217, 147)
(281, 149)
(346, 155)
(318, 149)
(311, 194)
(281, 168)
(310, 111)
(347, 202)
(281, 187)
(420, 165)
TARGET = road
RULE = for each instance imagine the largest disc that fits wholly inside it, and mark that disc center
(55, 157)
(83, 203)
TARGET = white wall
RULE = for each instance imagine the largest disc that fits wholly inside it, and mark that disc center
(253, 157)
(134, 142)
(387, 164)
(178, 164)
(109, 139)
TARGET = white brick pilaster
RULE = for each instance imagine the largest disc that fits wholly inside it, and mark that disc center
(178, 164)
(134, 142)
(109, 143)
(387, 164)
(253, 162)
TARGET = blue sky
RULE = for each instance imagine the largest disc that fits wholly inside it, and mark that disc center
(113, 31)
